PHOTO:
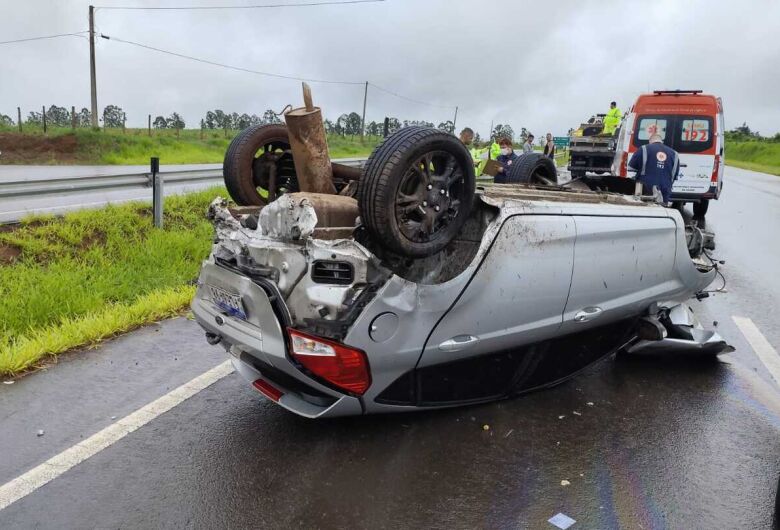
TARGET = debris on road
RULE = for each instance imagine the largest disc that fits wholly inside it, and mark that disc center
(8, 382)
(486, 427)
(576, 413)
(561, 416)
(561, 521)
(509, 433)
(589, 403)
(39, 433)
(565, 482)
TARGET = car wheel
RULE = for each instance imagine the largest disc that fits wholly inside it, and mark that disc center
(533, 168)
(700, 208)
(417, 191)
(259, 166)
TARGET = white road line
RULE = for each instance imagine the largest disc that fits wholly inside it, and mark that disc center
(765, 352)
(27, 483)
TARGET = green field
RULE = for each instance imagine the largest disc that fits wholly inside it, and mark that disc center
(136, 146)
(76, 280)
(754, 155)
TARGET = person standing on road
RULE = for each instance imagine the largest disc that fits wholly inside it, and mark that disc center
(528, 146)
(549, 147)
(506, 158)
(657, 166)
(612, 119)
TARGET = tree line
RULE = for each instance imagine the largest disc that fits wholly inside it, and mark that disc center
(348, 124)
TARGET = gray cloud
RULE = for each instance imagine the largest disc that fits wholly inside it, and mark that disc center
(540, 65)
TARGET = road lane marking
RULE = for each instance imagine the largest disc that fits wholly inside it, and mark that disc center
(765, 352)
(30, 481)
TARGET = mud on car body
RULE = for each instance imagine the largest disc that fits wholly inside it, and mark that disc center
(326, 317)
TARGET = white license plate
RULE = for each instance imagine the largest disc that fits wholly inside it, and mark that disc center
(228, 302)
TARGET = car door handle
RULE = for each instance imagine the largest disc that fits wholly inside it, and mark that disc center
(458, 343)
(587, 314)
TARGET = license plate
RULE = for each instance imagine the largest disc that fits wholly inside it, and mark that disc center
(228, 302)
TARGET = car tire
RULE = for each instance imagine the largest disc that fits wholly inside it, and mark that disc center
(246, 168)
(416, 212)
(700, 208)
(533, 168)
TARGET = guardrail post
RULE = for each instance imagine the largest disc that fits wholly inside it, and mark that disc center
(157, 192)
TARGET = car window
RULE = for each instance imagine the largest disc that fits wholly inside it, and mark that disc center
(694, 134)
(651, 125)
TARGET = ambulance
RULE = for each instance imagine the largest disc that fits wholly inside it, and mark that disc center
(691, 123)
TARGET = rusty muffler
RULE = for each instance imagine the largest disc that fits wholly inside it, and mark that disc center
(310, 146)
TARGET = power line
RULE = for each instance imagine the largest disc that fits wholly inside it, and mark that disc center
(410, 99)
(77, 34)
(262, 6)
(270, 74)
(230, 67)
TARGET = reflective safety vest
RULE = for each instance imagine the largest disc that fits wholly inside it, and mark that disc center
(612, 120)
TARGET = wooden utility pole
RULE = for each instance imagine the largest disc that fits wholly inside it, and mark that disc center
(19, 117)
(43, 114)
(92, 80)
(455, 120)
(363, 120)
(73, 117)
(149, 124)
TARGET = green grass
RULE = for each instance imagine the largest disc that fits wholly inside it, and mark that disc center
(95, 273)
(756, 156)
(135, 146)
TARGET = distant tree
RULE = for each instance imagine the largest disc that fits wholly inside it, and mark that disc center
(447, 126)
(328, 126)
(6, 120)
(353, 124)
(210, 122)
(58, 116)
(269, 116)
(243, 121)
(373, 129)
(524, 134)
(254, 119)
(34, 118)
(340, 127)
(221, 120)
(160, 123)
(84, 118)
(234, 119)
(501, 130)
(175, 121)
(113, 116)
(477, 138)
(393, 125)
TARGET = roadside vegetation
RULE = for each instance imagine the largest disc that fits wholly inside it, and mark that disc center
(71, 281)
(748, 149)
(136, 146)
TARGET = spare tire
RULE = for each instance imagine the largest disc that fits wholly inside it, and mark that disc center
(416, 191)
(258, 155)
(533, 168)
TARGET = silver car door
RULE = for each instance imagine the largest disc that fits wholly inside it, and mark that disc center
(621, 266)
(517, 295)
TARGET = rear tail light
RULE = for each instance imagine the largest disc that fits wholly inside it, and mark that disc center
(715, 171)
(342, 366)
(623, 170)
(268, 390)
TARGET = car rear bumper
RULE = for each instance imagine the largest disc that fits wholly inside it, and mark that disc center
(258, 347)
(711, 193)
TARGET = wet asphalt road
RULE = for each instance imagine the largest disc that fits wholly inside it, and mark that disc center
(665, 443)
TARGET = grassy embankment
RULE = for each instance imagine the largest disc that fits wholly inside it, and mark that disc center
(756, 156)
(66, 282)
(135, 146)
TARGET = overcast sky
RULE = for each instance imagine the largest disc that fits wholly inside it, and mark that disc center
(541, 65)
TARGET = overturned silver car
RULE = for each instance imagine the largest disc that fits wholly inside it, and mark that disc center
(326, 317)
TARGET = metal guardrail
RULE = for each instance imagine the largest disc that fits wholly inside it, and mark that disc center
(21, 189)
